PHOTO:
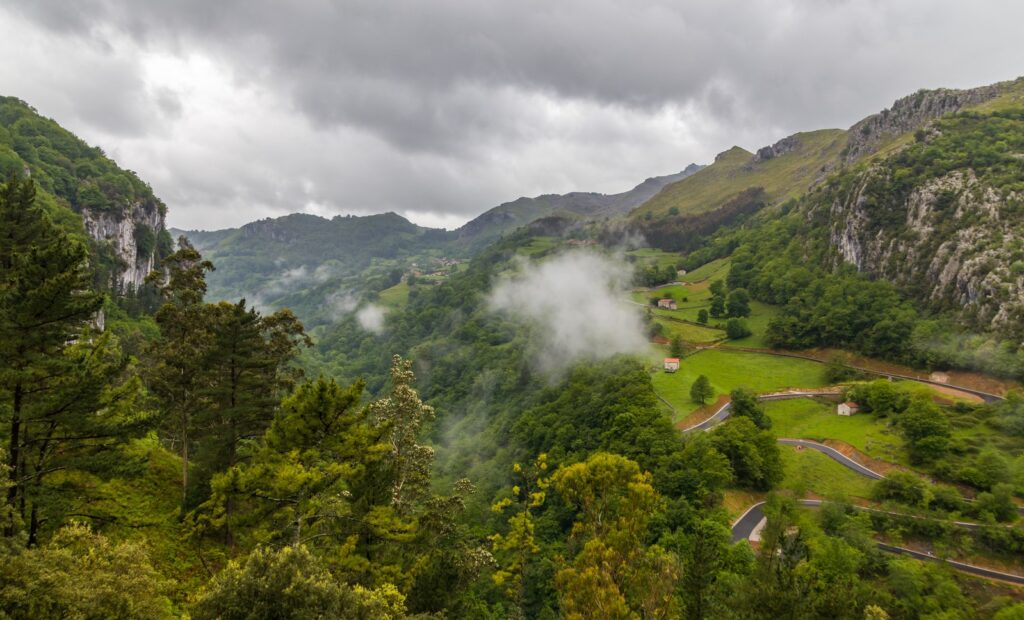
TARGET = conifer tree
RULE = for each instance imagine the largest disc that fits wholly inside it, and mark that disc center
(176, 370)
(64, 401)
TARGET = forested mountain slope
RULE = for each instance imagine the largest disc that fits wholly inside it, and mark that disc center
(88, 192)
(299, 260)
(911, 253)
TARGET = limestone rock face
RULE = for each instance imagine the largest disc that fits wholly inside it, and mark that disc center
(120, 230)
(783, 146)
(955, 245)
(911, 112)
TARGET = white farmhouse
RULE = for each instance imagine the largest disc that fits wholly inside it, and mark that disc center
(848, 408)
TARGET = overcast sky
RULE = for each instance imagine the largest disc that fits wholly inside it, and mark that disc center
(236, 110)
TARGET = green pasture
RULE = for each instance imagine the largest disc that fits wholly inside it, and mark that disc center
(809, 471)
(816, 419)
(394, 297)
(729, 370)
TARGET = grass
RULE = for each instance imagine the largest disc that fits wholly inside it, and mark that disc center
(695, 296)
(689, 300)
(396, 296)
(783, 177)
(760, 315)
(730, 370)
(806, 418)
(538, 245)
(653, 256)
(690, 333)
(809, 471)
(718, 268)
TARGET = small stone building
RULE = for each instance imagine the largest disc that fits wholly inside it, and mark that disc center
(671, 364)
(670, 304)
(848, 408)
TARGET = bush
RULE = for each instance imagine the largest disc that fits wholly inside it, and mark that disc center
(903, 488)
(736, 329)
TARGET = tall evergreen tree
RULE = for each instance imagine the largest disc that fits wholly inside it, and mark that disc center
(59, 383)
(176, 370)
(247, 369)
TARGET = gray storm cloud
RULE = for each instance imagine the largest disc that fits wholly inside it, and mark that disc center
(240, 110)
(575, 301)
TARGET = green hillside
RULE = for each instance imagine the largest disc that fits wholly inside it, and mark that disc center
(784, 176)
(75, 181)
(300, 261)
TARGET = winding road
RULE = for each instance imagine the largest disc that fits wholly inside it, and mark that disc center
(833, 454)
(751, 522)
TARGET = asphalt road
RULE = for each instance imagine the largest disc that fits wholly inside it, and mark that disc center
(708, 424)
(835, 455)
(752, 519)
(960, 566)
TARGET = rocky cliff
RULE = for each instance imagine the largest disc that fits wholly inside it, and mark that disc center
(958, 246)
(943, 218)
(912, 112)
(132, 236)
(118, 211)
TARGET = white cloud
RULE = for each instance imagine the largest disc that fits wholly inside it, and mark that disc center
(371, 318)
(575, 300)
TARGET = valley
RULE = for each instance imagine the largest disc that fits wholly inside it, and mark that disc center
(789, 380)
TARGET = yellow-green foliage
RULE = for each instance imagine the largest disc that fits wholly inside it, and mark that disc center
(81, 574)
(783, 177)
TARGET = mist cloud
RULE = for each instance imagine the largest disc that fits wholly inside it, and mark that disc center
(371, 318)
(575, 301)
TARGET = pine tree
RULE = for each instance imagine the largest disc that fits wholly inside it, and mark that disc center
(176, 370)
(247, 369)
(57, 380)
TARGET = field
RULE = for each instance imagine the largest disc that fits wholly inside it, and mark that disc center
(808, 471)
(690, 333)
(652, 256)
(538, 245)
(396, 296)
(718, 268)
(694, 296)
(806, 418)
(728, 370)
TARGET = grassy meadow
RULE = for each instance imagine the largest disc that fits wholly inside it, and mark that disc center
(816, 419)
(809, 471)
(728, 370)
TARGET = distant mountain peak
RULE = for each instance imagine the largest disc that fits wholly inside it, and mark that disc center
(586, 205)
